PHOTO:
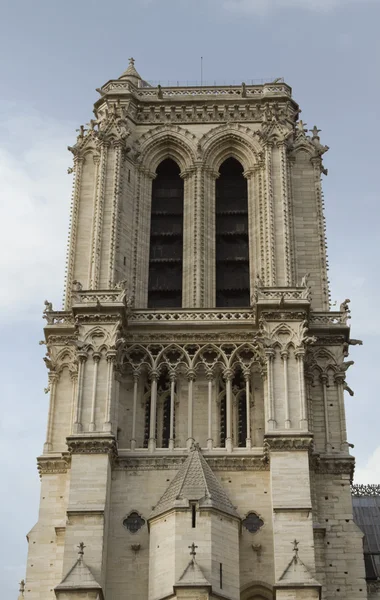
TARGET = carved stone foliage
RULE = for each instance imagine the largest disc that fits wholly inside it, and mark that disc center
(287, 443)
(284, 336)
(52, 466)
(92, 445)
(323, 362)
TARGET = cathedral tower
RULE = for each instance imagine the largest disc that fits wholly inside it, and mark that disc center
(196, 440)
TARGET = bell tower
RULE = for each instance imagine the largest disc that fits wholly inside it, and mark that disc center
(196, 437)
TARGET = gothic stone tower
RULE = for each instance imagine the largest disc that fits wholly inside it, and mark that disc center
(196, 440)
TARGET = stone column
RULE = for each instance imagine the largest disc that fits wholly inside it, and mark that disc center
(172, 399)
(53, 379)
(94, 232)
(74, 217)
(96, 358)
(228, 374)
(324, 380)
(247, 375)
(190, 408)
(111, 355)
(82, 357)
(136, 377)
(141, 237)
(74, 381)
(98, 215)
(153, 411)
(300, 356)
(210, 380)
(115, 211)
(271, 420)
(285, 213)
(189, 251)
(285, 356)
(209, 266)
(339, 381)
(270, 225)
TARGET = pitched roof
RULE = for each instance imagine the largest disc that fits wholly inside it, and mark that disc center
(194, 481)
(192, 576)
(79, 578)
(131, 71)
(297, 573)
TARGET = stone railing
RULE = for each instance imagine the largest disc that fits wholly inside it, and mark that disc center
(279, 295)
(328, 318)
(59, 317)
(360, 490)
(267, 89)
(193, 316)
(97, 296)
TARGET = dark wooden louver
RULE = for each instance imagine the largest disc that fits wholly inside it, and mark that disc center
(232, 254)
(166, 238)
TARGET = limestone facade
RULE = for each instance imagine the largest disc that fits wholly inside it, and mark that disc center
(252, 395)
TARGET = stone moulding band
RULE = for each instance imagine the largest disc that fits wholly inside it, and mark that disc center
(99, 445)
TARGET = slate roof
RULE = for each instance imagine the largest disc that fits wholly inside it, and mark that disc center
(194, 481)
(366, 505)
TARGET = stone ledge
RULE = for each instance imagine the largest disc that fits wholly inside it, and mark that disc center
(92, 444)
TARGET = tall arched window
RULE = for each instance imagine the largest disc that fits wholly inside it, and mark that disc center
(232, 254)
(166, 238)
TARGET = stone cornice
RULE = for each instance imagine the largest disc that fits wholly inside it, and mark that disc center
(52, 465)
(333, 465)
(217, 463)
(94, 444)
(287, 443)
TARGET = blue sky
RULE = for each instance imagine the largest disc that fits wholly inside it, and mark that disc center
(52, 57)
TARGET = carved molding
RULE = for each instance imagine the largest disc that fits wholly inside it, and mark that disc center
(217, 463)
(92, 445)
(47, 465)
(333, 465)
(287, 443)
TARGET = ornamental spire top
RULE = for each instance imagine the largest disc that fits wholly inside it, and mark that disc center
(131, 73)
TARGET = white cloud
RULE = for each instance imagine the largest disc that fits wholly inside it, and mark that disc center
(265, 6)
(370, 473)
(34, 210)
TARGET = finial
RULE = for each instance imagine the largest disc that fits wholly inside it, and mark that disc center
(81, 549)
(192, 550)
(131, 61)
(295, 548)
(301, 126)
(315, 131)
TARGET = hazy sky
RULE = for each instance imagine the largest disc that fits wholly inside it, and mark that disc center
(52, 57)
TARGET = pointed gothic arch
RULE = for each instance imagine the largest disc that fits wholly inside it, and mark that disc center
(166, 237)
(232, 280)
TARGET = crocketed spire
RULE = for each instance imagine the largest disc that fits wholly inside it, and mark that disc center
(195, 481)
(131, 73)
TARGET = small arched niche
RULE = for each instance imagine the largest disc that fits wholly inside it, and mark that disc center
(166, 238)
(231, 236)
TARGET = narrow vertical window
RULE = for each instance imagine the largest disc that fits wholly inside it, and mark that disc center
(231, 237)
(221, 576)
(166, 238)
(193, 516)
